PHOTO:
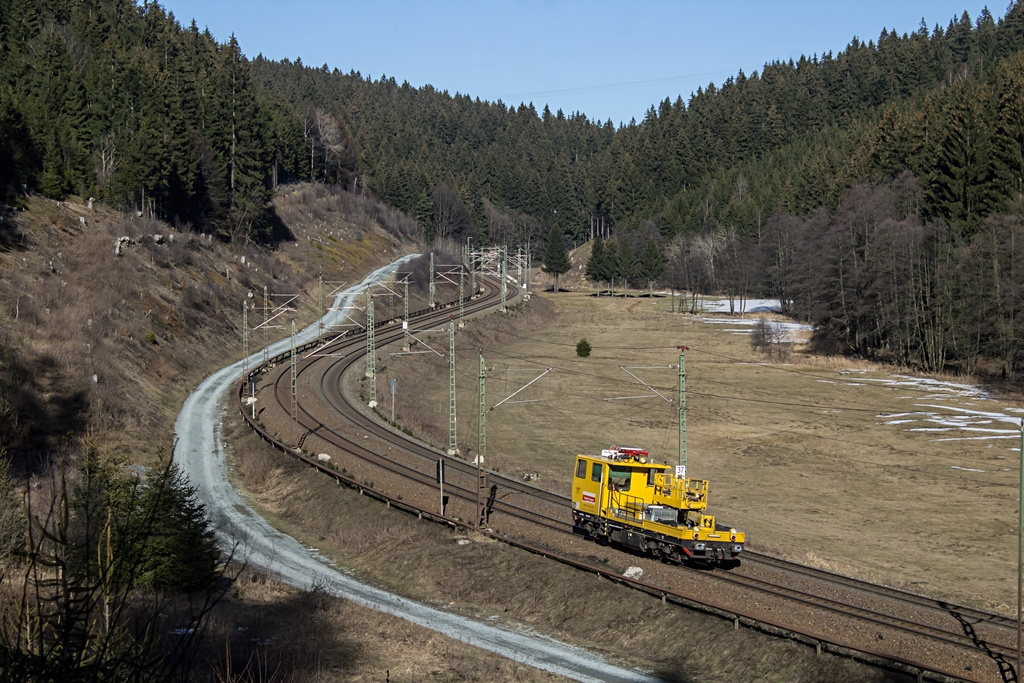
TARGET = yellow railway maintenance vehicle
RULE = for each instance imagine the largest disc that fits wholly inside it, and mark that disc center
(622, 497)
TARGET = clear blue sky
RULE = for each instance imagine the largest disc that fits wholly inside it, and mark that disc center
(607, 59)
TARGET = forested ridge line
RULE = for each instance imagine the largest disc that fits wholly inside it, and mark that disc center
(793, 137)
(116, 99)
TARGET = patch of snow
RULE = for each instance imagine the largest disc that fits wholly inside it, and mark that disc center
(952, 406)
(752, 305)
(979, 438)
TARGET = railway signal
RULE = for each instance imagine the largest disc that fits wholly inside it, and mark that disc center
(394, 384)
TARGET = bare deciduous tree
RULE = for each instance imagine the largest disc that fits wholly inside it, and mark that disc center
(449, 215)
(770, 338)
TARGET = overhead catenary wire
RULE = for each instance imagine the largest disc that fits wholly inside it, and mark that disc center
(705, 394)
(549, 407)
(762, 428)
(799, 405)
(768, 366)
(832, 459)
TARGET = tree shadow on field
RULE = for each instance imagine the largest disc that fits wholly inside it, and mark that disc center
(1006, 668)
(266, 637)
(11, 238)
(38, 409)
(277, 231)
(673, 677)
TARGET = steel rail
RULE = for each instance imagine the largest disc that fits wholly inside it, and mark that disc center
(354, 339)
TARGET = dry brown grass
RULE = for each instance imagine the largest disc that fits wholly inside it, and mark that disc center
(265, 631)
(491, 581)
(797, 453)
(111, 345)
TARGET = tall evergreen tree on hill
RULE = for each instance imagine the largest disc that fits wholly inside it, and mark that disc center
(625, 264)
(961, 181)
(652, 265)
(596, 265)
(556, 256)
(1008, 140)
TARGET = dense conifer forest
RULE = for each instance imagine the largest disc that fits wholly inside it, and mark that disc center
(877, 191)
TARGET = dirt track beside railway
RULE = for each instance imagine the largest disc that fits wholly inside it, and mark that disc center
(201, 453)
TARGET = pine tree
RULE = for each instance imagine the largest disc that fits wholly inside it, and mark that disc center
(179, 551)
(556, 256)
(625, 264)
(652, 264)
(961, 181)
(596, 262)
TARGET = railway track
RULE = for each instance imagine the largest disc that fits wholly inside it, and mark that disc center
(333, 422)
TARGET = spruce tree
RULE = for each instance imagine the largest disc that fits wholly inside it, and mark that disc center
(960, 187)
(625, 264)
(595, 264)
(1008, 147)
(652, 264)
(179, 550)
(610, 265)
(556, 256)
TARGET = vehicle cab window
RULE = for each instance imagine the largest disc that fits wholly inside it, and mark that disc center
(620, 477)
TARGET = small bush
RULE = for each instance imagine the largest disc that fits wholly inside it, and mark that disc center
(770, 338)
(583, 348)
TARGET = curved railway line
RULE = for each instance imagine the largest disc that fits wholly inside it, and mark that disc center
(914, 628)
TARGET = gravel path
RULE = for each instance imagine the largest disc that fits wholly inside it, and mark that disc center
(200, 452)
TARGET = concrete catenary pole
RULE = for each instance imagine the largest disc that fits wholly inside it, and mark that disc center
(245, 337)
(481, 449)
(452, 432)
(320, 305)
(266, 325)
(405, 320)
(504, 270)
(371, 351)
(682, 405)
(295, 412)
(431, 302)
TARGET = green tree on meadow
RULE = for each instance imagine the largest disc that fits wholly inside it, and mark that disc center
(652, 264)
(556, 256)
(625, 264)
(596, 263)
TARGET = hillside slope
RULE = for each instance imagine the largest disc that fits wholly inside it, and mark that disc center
(109, 319)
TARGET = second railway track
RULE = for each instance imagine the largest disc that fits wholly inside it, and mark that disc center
(956, 642)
